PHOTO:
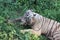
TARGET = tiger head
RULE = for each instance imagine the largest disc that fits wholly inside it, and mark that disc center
(30, 18)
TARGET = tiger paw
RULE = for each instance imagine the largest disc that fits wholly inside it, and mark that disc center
(22, 31)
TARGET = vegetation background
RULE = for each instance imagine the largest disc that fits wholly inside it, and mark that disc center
(11, 9)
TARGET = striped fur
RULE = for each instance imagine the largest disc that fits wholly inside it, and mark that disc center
(42, 25)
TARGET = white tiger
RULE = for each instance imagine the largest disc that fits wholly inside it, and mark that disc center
(40, 25)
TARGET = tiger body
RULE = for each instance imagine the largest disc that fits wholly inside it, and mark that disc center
(41, 25)
(50, 28)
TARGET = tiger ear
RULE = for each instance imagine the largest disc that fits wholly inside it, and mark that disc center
(31, 10)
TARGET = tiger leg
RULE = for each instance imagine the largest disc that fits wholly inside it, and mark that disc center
(38, 33)
(56, 35)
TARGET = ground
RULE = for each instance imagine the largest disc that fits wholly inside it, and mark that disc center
(11, 9)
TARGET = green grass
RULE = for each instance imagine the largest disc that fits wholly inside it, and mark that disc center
(11, 9)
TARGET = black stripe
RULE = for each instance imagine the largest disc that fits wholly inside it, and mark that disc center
(42, 23)
(48, 25)
(55, 28)
(56, 36)
(58, 32)
(49, 32)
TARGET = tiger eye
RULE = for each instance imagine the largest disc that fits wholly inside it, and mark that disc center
(34, 14)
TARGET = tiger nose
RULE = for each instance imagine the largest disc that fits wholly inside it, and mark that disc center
(28, 19)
